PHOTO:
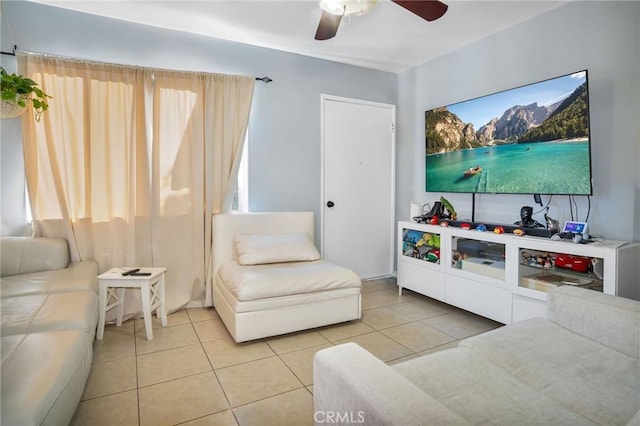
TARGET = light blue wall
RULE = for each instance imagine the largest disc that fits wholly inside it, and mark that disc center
(602, 37)
(12, 189)
(284, 148)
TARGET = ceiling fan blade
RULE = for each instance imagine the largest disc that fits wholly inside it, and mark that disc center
(426, 9)
(328, 26)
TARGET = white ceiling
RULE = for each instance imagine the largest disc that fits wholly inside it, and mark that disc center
(388, 38)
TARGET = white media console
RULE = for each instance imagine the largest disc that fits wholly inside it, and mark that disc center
(505, 277)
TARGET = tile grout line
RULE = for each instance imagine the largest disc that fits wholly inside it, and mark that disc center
(291, 370)
(267, 397)
(226, 397)
(135, 351)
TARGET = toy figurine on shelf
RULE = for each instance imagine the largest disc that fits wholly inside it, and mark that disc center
(434, 240)
(433, 256)
(422, 241)
(456, 260)
(450, 210)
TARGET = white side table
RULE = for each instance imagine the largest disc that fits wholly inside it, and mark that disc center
(111, 294)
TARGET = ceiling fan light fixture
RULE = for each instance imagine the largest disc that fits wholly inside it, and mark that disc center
(333, 7)
(347, 7)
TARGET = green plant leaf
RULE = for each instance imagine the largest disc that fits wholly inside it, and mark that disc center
(20, 90)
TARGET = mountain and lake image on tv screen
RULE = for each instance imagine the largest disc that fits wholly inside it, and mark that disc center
(532, 139)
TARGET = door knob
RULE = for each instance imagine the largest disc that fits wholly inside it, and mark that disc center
(330, 204)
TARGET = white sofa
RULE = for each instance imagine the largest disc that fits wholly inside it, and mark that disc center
(271, 297)
(579, 366)
(49, 312)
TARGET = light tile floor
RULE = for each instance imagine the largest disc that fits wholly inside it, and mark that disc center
(193, 373)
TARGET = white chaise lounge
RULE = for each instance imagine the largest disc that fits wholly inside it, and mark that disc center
(270, 280)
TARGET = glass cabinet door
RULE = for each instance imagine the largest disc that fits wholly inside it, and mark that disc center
(421, 245)
(543, 271)
(485, 258)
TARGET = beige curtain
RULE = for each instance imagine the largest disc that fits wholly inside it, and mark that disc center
(224, 154)
(129, 163)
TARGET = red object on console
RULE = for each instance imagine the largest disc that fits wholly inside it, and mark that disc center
(576, 263)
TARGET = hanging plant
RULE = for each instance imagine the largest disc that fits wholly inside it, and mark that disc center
(17, 92)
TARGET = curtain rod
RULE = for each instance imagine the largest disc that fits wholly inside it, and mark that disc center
(264, 79)
(15, 47)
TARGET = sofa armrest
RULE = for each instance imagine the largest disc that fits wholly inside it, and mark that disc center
(24, 255)
(350, 385)
(609, 320)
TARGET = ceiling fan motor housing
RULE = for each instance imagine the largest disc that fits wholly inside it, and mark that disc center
(347, 7)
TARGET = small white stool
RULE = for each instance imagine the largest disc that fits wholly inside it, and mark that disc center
(112, 285)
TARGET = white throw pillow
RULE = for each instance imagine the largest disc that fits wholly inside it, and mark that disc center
(258, 249)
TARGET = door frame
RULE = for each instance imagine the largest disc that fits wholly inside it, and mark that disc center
(392, 202)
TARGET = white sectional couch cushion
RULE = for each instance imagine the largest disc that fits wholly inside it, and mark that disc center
(483, 393)
(282, 301)
(258, 249)
(586, 315)
(284, 279)
(566, 367)
(24, 255)
(43, 376)
(78, 276)
(41, 312)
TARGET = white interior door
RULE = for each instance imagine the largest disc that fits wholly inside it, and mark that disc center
(358, 185)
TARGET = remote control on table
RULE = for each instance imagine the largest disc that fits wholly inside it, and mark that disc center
(131, 272)
(140, 274)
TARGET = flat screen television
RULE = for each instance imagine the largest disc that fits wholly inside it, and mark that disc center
(532, 139)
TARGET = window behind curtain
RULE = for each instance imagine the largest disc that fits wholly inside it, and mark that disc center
(241, 196)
